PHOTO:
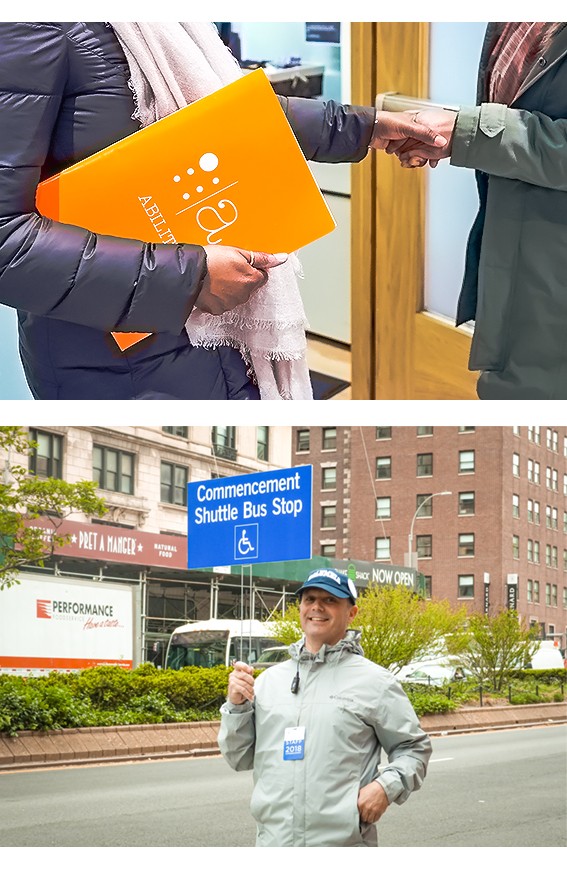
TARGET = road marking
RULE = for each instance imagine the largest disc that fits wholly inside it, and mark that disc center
(442, 760)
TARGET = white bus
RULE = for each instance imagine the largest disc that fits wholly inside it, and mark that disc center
(218, 642)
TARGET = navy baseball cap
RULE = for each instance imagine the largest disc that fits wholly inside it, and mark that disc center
(333, 581)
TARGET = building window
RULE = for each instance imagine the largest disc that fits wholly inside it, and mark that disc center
(565, 598)
(515, 546)
(427, 585)
(516, 430)
(302, 440)
(466, 586)
(466, 503)
(113, 469)
(382, 548)
(224, 442)
(553, 596)
(530, 550)
(516, 506)
(383, 467)
(516, 465)
(174, 483)
(565, 484)
(466, 428)
(329, 439)
(551, 479)
(424, 430)
(383, 432)
(533, 511)
(262, 443)
(466, 544)
(46, 459)
(424, 546)
(424, 464)
(564, 560)
(328, 516)
(530, 590)
(552, 439)
(177, 430)
(534, 434)
(329, 549)
(466, 461)
(548, 554)
(548, 594)
(329, 477)
(383, 508)
(424, 505)
(536, 592)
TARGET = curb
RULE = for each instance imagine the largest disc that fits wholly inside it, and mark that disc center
(121, 744)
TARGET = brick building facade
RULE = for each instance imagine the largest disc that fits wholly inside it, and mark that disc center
(498, 539)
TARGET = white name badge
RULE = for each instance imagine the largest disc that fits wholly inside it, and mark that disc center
(294, 743)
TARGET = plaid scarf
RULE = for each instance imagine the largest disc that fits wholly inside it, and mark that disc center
(512, 57)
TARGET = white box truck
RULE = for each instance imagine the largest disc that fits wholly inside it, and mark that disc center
(65, 624)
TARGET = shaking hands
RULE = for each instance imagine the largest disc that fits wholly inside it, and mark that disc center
(415, 137)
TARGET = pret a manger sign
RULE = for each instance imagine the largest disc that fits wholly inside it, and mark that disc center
(250, 518)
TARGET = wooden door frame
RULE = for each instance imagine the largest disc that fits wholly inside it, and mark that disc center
(399, 351)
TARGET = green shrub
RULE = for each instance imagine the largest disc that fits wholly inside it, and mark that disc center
(111, 696)
(429, 701)
(33, 704)
(105, 686)
(525, 697)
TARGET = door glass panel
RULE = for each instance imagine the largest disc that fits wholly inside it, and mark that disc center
(323, 47)
(451, 202)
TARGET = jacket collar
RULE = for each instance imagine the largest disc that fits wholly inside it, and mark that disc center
(555, 52)
(350, 644)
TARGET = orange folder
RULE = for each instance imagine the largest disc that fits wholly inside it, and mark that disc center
(226, 169)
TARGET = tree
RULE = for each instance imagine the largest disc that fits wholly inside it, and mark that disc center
(25, 498)
(397, 627)
(286, 626)
(497, 646)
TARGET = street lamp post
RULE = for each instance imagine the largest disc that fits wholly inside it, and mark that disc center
(410, 561)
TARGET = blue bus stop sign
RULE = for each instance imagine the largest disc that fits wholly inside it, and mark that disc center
(250, 518)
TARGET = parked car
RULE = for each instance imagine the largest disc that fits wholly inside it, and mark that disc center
(548, 655)
(431, 674)
(271, 655)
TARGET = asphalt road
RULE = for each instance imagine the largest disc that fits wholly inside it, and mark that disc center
(494, 789)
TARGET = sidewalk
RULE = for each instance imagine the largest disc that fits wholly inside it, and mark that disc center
(67, 747)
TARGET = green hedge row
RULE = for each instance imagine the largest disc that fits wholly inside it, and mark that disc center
(111, 696)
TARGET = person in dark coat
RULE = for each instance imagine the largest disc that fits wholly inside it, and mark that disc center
(515, 285)
(63, 96)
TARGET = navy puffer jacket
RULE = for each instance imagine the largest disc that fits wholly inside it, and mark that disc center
(63, 96)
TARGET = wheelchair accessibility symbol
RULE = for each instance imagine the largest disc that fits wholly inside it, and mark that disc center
(246, 540)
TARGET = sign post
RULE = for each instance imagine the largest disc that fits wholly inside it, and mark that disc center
(250, 518)
(512, 588)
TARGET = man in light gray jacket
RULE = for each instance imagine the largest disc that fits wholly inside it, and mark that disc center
(313, 729)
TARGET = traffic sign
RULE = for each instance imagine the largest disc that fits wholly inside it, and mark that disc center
(250, 518)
